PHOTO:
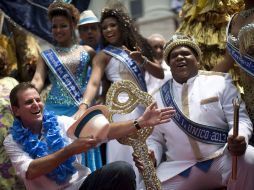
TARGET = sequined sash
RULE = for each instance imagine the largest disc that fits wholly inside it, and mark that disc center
(244, 61)
(132, 66)
(63, 74)
(200, 132)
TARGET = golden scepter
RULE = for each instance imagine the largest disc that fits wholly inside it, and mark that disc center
(236, 104)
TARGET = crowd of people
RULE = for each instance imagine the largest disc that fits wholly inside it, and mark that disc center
(48, 144)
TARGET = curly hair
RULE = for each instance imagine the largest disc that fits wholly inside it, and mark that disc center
(131, 38)
(4, 63)
(64, 9)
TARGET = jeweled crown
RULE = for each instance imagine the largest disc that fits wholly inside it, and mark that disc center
(179, 39)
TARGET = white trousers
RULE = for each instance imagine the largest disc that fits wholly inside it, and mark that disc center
(218, 175)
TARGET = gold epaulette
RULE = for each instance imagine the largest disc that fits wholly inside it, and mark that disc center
(203, 72)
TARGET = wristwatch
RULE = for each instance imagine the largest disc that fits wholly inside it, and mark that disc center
(136, 124)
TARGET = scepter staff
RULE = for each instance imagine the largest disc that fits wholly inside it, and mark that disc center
(236, 104)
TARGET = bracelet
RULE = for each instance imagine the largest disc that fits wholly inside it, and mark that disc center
(85, 102)
(136, 124)
(144, 62)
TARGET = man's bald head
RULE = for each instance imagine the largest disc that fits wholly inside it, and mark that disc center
(157, 42)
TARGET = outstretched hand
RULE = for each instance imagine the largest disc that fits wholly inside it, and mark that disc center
(154, 116)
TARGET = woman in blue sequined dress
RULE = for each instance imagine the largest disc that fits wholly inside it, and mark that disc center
(66, 65)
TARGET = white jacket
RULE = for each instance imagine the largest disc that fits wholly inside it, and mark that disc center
(210, 97)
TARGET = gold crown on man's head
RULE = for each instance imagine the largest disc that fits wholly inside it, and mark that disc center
(179, 39)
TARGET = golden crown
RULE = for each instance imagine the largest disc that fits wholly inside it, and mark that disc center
(179, 39)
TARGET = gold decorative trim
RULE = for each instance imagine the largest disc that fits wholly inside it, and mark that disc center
(209, 100)
(209, 73)
(185, 109)
(138, 139)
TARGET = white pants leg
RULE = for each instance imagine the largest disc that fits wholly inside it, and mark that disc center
(219, 175)
(245, 172)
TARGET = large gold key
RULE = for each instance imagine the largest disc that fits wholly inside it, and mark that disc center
(122, 98)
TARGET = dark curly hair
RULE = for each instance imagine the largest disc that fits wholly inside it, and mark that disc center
(63, 9)
(131, 38)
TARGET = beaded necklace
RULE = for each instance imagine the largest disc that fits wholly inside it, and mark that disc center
(37, 148)
(65, 49)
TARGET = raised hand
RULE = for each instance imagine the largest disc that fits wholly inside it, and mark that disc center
(135, 55)
(154, 116)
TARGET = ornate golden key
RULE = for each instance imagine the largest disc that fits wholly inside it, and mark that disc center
(133, 98)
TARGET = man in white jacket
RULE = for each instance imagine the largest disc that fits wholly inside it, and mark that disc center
(194, 150)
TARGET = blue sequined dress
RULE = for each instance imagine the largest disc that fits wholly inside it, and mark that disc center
(61, 102)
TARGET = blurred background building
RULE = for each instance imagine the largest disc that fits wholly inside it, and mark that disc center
(151, 16)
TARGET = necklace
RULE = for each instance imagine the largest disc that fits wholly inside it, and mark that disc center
(65, 49)
(37, 148)
(246, 13)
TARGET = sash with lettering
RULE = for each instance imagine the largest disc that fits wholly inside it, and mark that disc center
(133, 67)
(202, 133)
(244, 61)
(63, 74)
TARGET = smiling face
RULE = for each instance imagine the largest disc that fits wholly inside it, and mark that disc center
(183, 63)
(29, 109)
(111, 31)
(62, 29)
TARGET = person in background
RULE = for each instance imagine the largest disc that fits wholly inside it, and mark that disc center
(157, 42)
(198, 142)
(89, 30)
(90, 34)
(8, 179)
(46, 158)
